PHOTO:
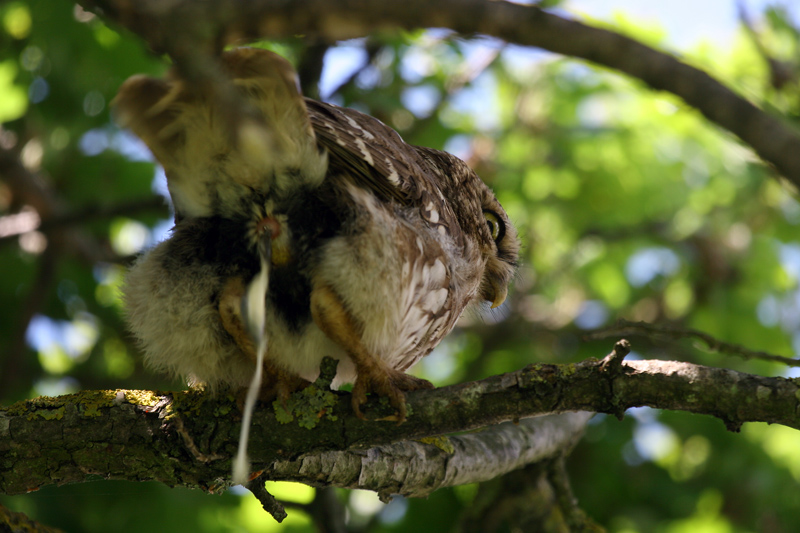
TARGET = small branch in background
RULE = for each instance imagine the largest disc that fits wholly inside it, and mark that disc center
(268, 501)
(18, 522)
(29, 188)
(781, 72)
(35, 300)
(310, 68)
(48, 219)
(372, 48)
(326, 511)
(664, 331)
(12, 226)
(574, 516)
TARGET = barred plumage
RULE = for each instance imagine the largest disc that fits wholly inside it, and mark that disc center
(377, 246)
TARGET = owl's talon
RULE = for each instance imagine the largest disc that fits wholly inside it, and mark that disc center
(357, 407)
(389, 383)
(278, 385)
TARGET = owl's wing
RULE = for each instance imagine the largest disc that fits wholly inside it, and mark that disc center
(369, 152)
(213, 158)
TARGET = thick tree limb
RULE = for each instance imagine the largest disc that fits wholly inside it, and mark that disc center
(187, 438)
(417, 468)
(176, 26)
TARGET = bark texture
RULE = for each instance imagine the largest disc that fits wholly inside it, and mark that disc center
(188, 438)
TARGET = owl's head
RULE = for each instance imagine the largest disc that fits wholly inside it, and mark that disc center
(499, 244)
(482, 220)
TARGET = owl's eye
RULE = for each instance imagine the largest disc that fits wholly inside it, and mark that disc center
(496, 226)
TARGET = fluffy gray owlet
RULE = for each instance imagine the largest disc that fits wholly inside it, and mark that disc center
(374, 247)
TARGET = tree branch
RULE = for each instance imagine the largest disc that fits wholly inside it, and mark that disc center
(30, 188)
(667, 331)
(417, 468)
(83, 215)
(218, 21)
(177, 438)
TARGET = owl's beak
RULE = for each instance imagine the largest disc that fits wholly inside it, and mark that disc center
(500, 294)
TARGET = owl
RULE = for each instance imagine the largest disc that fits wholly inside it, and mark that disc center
(343, 240)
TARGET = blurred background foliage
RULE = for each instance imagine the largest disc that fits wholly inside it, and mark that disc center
(629, 203)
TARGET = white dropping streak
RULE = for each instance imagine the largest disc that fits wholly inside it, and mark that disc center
(255, 320)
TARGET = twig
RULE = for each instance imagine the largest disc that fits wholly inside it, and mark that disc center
(612, 363)
(268, 501)
(574, 516)
(31, 189)
(18, 522)
(34, 302)
(372, 47)
(781, 72)
(192, 446)
(83, 215)
(309, 69)
(625, 327)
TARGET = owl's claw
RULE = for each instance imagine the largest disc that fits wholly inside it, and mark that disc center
(389, 383)
(277, 385)
(331, 316)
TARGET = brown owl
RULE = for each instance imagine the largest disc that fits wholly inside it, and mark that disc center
(367, 249)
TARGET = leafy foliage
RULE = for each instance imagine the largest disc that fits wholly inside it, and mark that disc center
(630, 204)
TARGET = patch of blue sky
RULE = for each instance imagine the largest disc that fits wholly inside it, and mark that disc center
(416, 64)
(38, 90)
(648, 263)
(421, 100)
(686, 22)
(790, 209)
(56, 386)
(340, 63)
(97, 140)
(75, 337)
(122, 141)
(477, 102)
(783, 311)
(592, 315)
(654, 440)
(789, 255)
(460, 146)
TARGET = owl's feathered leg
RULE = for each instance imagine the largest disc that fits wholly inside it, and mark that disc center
(373, 375)
(277, 382)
